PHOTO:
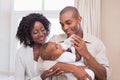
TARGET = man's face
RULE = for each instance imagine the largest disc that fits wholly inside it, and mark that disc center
(69, 22)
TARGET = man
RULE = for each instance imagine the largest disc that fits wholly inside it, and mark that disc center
(89, 47)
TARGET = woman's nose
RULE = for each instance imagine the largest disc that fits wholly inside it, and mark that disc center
(41, 33)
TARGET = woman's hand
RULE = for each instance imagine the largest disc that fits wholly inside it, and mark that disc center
(63, 68)
(49, 73)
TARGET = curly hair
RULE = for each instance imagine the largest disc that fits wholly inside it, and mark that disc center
(26, 25)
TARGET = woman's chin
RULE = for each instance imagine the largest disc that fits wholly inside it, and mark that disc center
(42, 41)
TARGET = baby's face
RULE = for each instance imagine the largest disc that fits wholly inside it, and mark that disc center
(55, 49)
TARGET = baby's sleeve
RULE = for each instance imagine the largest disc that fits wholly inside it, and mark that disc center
(45, 64)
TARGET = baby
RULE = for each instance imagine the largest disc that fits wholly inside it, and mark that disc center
(63, 52)
(53, 51)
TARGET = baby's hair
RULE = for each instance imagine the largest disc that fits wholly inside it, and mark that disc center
(43, 52)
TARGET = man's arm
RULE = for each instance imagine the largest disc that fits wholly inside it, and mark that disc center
(95, 63)
(99, 70)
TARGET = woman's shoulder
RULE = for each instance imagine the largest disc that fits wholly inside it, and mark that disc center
(24, 50)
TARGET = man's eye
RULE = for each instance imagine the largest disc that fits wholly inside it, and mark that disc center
(68, 23)
(61, 24)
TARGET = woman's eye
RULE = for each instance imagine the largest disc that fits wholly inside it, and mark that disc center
(42, 29)
(35, 32)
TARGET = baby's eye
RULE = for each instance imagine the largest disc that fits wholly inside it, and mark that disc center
(57, 46)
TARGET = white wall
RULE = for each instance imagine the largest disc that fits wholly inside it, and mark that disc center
(111, 34)
(4, 34)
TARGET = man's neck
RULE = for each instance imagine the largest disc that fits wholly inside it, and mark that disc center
(80, 33)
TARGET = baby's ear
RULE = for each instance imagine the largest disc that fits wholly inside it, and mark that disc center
(53, 58)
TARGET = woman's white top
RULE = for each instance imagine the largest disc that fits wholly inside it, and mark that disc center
(25, 66)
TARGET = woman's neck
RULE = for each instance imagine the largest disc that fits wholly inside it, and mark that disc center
(35, 46)
(36, 51)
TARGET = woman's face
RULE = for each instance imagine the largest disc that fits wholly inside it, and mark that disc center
(38, 33)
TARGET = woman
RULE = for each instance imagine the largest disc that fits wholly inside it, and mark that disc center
(32, 32)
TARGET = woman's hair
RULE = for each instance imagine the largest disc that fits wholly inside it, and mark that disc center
(27, 24)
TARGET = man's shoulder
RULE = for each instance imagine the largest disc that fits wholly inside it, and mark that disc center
(91, 38)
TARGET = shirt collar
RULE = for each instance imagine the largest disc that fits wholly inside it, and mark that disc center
(86, 37)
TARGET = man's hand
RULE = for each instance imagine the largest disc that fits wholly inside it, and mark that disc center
(78, 71)
(80, 45)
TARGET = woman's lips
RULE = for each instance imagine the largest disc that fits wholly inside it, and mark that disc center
(42, 38)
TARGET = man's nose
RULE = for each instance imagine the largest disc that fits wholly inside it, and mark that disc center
(66, 27)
